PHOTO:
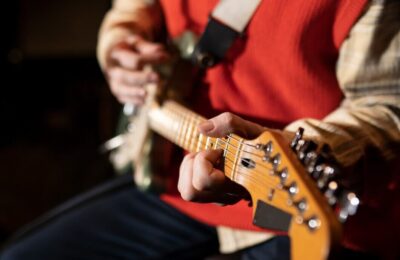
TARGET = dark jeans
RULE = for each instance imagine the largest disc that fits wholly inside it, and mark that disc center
(116, 221)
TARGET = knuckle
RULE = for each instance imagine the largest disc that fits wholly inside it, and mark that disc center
(199, 182)
(187, 194)
(228, 118)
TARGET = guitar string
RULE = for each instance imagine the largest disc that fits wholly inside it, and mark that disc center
(253, 172)
(218, 144)
(193, 136)
(189, 141)
(261, 181)
(235, 147)
(261, 177)
(279, 194)
(189, 116)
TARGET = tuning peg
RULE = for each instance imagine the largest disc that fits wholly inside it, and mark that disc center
(276, 161)
(292, 188)
(305, 147)
(331, 192)
(300, 205)
(311, 160)
(283, 175)
(267, 149)
(328, 172)
(317, 171)
(313, 223)
(297, 138)
(349, 205)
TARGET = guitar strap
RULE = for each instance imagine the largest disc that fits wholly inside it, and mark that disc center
(227, 21)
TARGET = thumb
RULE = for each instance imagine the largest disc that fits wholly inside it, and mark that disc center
(228, 123)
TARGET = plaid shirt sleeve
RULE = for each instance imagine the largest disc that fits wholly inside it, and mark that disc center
(368, 71)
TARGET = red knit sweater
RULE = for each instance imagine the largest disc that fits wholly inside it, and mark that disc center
(282, 69)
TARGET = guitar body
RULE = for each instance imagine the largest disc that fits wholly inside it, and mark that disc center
(142, 147)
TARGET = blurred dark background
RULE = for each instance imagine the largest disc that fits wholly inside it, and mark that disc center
(55, 108)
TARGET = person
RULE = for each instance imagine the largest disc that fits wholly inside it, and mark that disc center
(331, 67)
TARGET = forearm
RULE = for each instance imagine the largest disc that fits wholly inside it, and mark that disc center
(350, 132)
(128, 17)
(368, 72)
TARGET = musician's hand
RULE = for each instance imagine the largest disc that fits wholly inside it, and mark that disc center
(125, 68)
(200, 177)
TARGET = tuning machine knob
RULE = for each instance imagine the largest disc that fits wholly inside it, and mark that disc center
(305, 147)
(328, 173)
(297, 138)
(267, 149)
(292, 188)
(313, 223)
(300, 205)
(331, 192)
(283, 175)
(350, 203)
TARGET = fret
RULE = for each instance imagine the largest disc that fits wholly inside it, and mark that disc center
(179, 122)
(193, 133)
(199, 142)
(216, 143)
(207, 142)
(198, 136)
(235, 160)
(191, 128)
(176, 127)
(173, 122)
(189, 131)
(227, 143)
(182, 130)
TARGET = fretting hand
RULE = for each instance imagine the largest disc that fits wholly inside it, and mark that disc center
(200, 177)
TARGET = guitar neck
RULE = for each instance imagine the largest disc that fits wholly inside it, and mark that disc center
(179, 125)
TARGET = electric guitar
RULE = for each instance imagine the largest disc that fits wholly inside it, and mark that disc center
(293, 187)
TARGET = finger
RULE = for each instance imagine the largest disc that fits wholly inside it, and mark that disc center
(185, 187)
(151, 52)
(136, 101)
(190, 193)
(187, 190)
(130, 77)
(227, 123)
(128, 94)
(205, 175)
(122, 89)
(127, 58)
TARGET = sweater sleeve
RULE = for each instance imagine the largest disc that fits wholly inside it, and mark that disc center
(125, 18)
(368, 71)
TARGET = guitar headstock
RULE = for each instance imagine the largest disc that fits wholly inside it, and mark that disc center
(327, 173)
(295, 188)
